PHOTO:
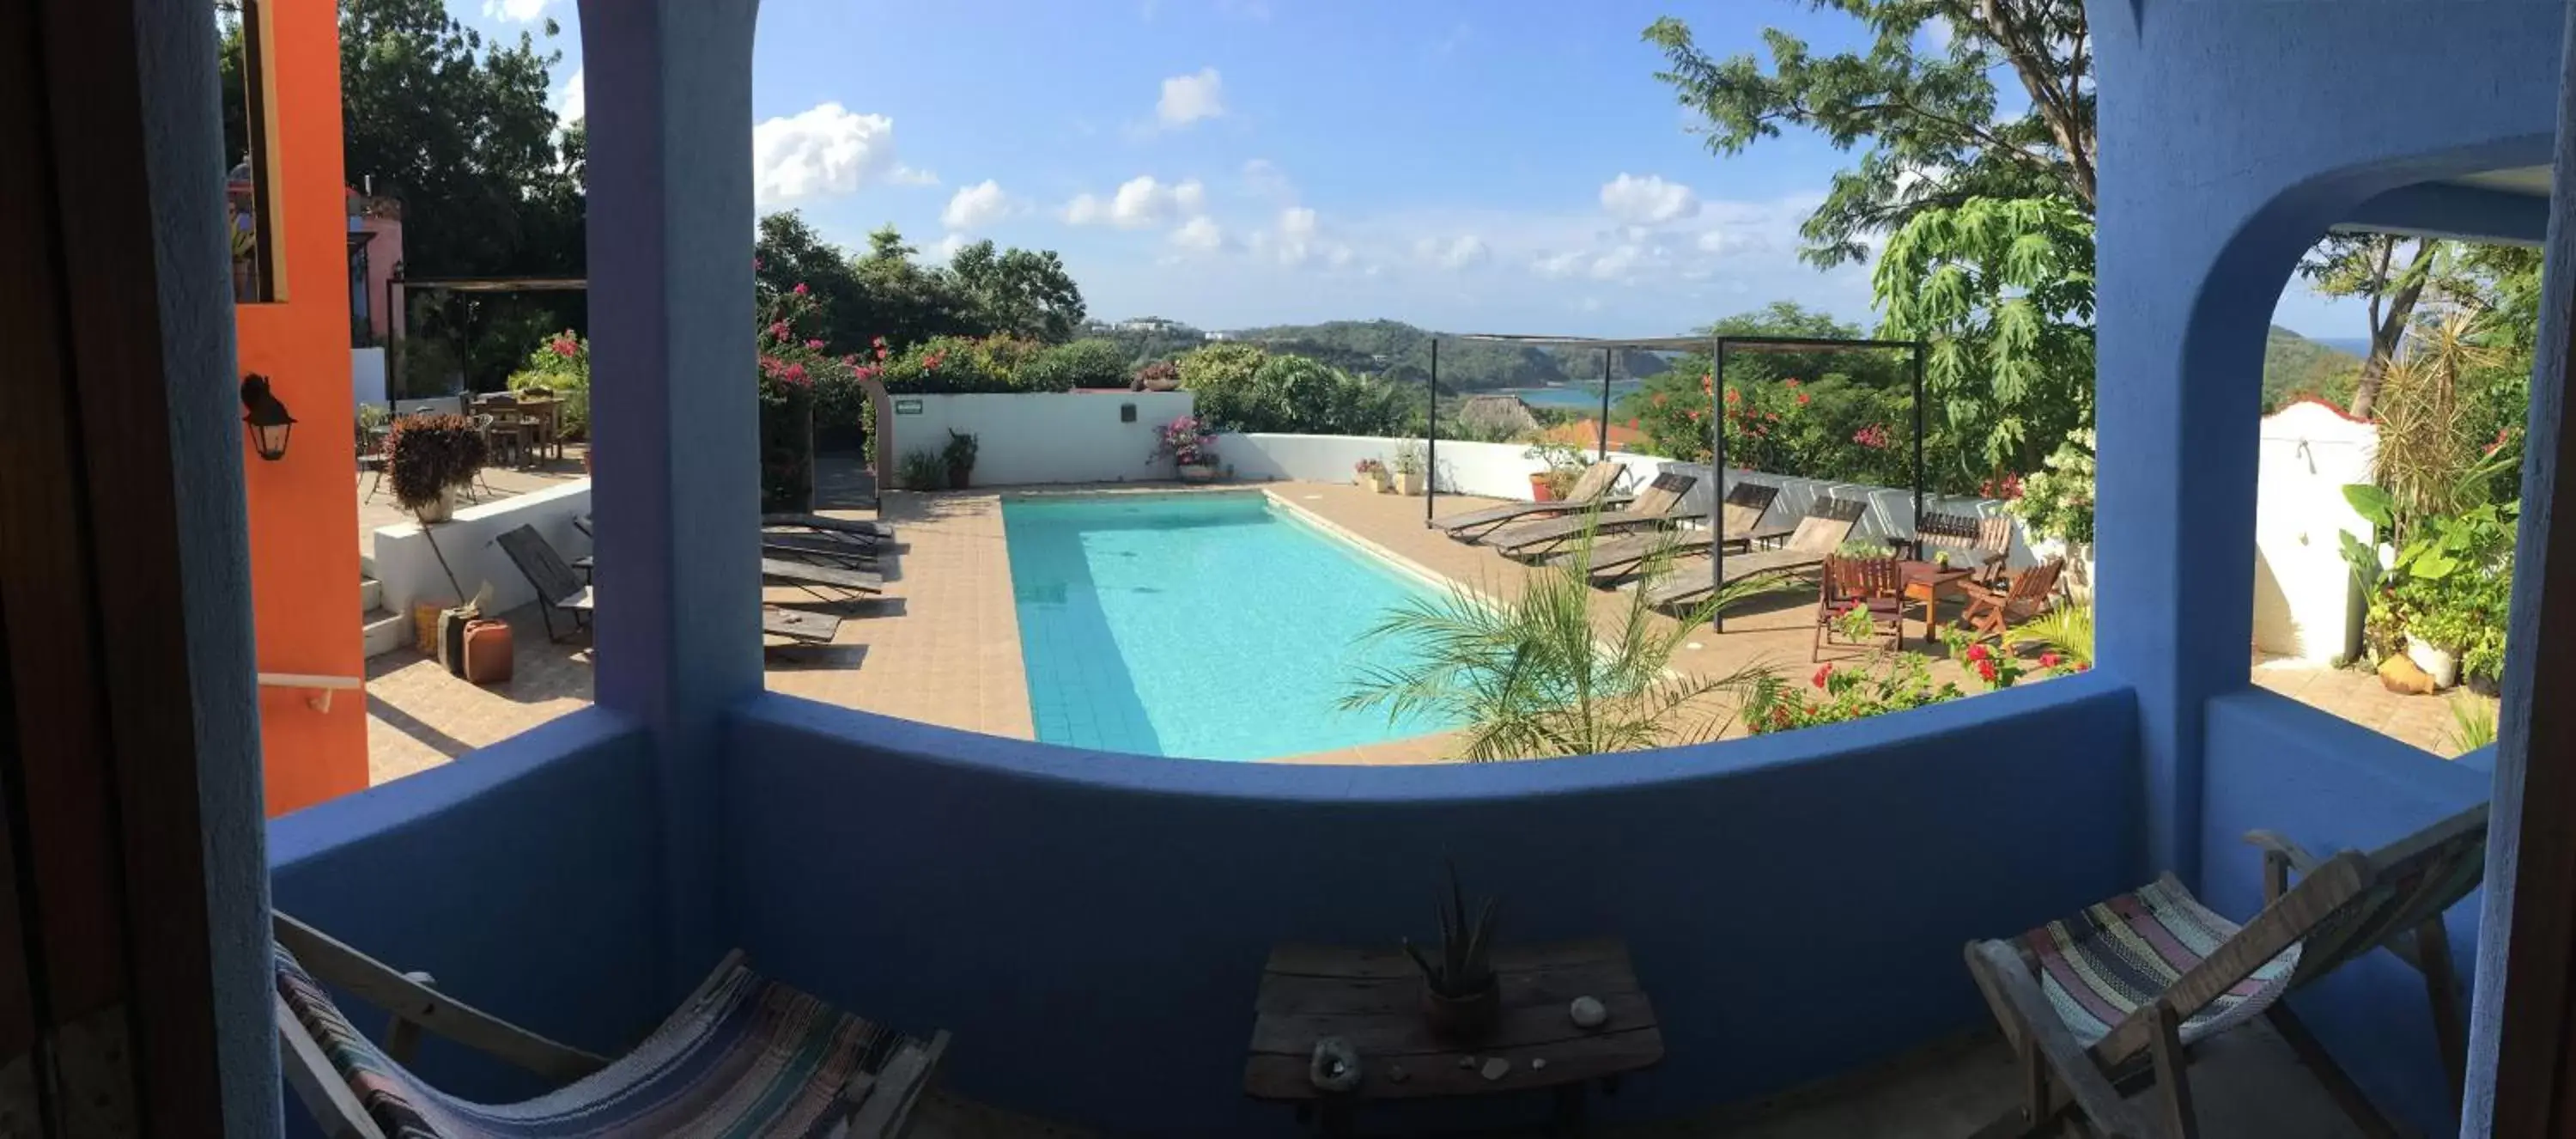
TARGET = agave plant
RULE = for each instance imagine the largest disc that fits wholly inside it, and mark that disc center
(1466, 964)
(1537, 675)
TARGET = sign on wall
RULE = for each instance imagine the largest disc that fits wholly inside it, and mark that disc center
(907, 407)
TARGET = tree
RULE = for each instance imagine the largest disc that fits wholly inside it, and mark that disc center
(788, 252)
(1020, 291)
(1928, 119)
(2392, 275)
(2003, 290)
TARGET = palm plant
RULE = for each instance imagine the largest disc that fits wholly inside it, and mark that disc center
(1535, 676)
(2428, 453)
(2067, 629)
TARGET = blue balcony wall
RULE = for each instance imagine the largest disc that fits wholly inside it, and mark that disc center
(521, 876)
(2331, 785)
(1092, 926)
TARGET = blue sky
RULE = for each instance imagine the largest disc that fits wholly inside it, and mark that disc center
(1507, 165)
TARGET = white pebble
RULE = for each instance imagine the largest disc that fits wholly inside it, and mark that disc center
(1588, 1012)
(1494, 1068)
(1538, 1063)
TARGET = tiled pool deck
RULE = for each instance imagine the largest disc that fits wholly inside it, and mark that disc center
(944, 646)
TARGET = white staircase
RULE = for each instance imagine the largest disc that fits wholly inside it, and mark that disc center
(385, 630)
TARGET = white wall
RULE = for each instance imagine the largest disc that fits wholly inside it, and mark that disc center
(448, 404)
(2302, 588)
(1024, 438)
(410, 571)
(1889, 514)
(367, 376)
(1492, 470)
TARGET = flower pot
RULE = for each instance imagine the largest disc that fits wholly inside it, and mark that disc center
(1197, 472)
(1408, 484)
(439, 511)
(1371, 482)
(1463, 1020)
(1541, 490)
(959, 474)
(2443, 667)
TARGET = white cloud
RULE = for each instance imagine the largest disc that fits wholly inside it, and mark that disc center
(907, 176)
(1263, 177)
(1563, 264)
(570, 106)
(1647, 201)
(977, 206)
(1199, 234)
(519, 11)
(1140, 202)
(948, 246)
(1714, 241)
(1456, 253)
(821, 151)
(1296, 235)
(1189, 98)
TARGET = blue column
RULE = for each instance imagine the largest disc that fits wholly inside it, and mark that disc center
(674, 413)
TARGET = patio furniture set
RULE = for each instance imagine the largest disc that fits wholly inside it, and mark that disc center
(837, 561)
(520, 429)
(1951, 557)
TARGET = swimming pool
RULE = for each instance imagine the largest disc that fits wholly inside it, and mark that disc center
(1214, 625)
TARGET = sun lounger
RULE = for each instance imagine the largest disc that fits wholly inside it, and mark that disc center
(1590, 491)
(850, 584)
(743, 1055)
(864, 529)
(1827, 525)
(558, 587)
(1658, 507)
(1741, 514)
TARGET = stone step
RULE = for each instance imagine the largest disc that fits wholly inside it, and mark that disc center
(371, 595)
(385, 631)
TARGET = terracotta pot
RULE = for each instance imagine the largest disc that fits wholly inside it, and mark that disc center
(1540, 489)
(1193, 472)
(1463, 1020)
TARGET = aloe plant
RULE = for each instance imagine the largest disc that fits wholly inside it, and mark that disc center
(1466, 965)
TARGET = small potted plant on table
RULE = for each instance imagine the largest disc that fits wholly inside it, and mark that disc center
(1462, 1000)
(1189, 444)
(1371, 475)
(1409, 469)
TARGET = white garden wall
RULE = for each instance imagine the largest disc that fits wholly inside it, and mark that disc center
(1024, 438)
(410, 571)
(2302, 588)
(367, 376)
(1492, 470)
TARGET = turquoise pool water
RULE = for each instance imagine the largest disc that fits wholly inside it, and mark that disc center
(1213, 626)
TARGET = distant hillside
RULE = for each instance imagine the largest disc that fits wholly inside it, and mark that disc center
(2294, 365)
(1402, 352)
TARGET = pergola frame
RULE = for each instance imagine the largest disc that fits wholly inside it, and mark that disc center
(1719, 348)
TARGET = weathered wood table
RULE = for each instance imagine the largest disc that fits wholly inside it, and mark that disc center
(1372, 998)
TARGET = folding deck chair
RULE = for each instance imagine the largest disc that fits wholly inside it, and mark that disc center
(1594, 489)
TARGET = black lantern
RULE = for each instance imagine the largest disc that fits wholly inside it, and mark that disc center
(266, 419)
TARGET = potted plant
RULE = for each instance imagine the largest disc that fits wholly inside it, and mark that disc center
(959, 459)
(427, 459)
(1560, 465)
(1461, 998)
(1409, 468)
(1370, 474)
(1189, 444)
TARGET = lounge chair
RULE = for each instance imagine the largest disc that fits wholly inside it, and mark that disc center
(814, 547)
(1741, 515)
(559, 587)
(1983, 544)
(848, 584)
(744, 1055)
(1873, 585)
(1660, 506)
(1826, 527)
(864, 529)
(1588, 492)
(1994, 609)
(2123, 990)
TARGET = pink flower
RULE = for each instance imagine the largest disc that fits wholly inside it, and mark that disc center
(564, 346)
(1978, 652)
(2049, 660)
(800, 289)
(1802, 396)
(814, 345)
(1986, 668)
(779, 331)
(793, 373)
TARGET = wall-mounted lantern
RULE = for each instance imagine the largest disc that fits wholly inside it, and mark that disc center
(265, 418)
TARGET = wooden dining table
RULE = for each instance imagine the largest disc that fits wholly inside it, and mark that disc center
(1929, 582)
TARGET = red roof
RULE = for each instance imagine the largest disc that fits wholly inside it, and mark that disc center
(1587, 432)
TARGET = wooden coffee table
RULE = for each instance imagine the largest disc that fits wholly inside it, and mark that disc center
(1929, 582)
(1372, 998)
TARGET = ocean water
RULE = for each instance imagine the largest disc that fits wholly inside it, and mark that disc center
(1573, 397)
(1211, 626)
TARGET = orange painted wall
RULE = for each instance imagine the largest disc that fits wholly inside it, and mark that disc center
(304, 507)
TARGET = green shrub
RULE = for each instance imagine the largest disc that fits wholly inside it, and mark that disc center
(1094, 363)
(923, 470)
(561, 367)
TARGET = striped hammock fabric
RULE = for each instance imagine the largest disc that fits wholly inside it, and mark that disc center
(754, 1058)
(2119, 956)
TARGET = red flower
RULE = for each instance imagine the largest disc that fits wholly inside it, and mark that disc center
(800, 289)
(793, 373)
(1708, 381)
(815, 345)
(881, 348)
(2084, 666)
(1734, 396)
(2049, 660)
(1788, 383)
(1978, 652)
(564, 346)
(1802, 396)
(1986, 668)
(779, 331)
(1824, 673)
(1693, 414)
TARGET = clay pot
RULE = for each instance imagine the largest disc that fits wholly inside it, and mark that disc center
(1541, 490)
(1463, 1020)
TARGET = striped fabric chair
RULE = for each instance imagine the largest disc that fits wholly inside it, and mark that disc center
(2121, 990)
(744, 1056)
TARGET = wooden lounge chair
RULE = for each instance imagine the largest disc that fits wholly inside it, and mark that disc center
(744, 1055)
(1873, 585)
(811, 547)
(559, 587)
(1660, 506)
(863, 529)
(2123, 990)
(1741, 515)
(1981, 544)
(847, 584)
(1590, 491)
(1827, 525)
(1992, 609)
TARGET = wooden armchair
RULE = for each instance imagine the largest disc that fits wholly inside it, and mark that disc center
(1993, 610)
(1872, 585)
